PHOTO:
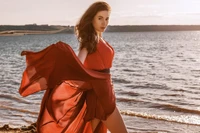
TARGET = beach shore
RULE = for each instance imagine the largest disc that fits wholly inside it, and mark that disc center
(23, 129)
(21, 33)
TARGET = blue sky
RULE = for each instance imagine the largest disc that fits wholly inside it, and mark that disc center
(124, 12)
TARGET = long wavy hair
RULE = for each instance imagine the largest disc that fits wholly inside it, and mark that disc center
(84, 29)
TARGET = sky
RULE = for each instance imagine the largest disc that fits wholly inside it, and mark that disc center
(124, 12)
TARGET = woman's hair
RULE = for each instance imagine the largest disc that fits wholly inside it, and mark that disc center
(84, 29)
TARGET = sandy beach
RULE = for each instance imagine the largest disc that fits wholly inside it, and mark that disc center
(27, 32)
(32, 32)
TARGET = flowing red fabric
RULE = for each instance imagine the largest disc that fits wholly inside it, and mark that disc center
(74, 95)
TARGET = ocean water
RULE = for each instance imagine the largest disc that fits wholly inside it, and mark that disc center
(156, 77)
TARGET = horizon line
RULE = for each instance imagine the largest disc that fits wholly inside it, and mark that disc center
(108, 25)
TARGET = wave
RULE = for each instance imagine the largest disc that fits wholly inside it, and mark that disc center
(123, 99)
(116, 80)
(12, 98)
(20, 110)
(191, 90)
(129, 93)
(171, 107)
(182, 119)
(148, 86)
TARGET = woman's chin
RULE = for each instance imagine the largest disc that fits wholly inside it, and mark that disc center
(102, 30)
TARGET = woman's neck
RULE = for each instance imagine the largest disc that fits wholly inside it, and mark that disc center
(99, 34)
(100, 38)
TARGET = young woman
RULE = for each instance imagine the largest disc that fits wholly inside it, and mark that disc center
(79, 97)
(95, 53)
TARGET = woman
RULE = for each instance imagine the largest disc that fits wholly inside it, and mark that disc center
(79, 96)
(89, 31)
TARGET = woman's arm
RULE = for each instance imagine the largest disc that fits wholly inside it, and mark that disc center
(115, 123)
(82, 55)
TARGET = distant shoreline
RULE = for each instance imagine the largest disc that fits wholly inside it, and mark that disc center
(19, 30)
(143, 28)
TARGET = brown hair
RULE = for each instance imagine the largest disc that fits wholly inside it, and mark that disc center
(84, 29)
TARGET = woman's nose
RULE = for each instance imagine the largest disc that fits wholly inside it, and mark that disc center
(104, 22)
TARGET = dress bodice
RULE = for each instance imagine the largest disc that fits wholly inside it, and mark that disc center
(102, 58)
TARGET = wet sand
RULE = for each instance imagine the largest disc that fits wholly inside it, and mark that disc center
(23, 129)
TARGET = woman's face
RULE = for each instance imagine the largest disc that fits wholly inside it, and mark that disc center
(100, 21)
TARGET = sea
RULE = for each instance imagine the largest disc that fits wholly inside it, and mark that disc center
(156, 78)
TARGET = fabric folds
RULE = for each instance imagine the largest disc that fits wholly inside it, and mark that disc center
(74, 95)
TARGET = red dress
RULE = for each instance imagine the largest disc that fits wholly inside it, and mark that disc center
(75, 93)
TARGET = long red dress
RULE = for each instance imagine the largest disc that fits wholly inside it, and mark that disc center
(75, 93)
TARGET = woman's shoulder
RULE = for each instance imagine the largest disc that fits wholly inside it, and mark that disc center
(107, 44)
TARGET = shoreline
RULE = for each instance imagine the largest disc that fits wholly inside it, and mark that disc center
(32, 32)
(25, 33)
(23, 129)
(22, 33)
